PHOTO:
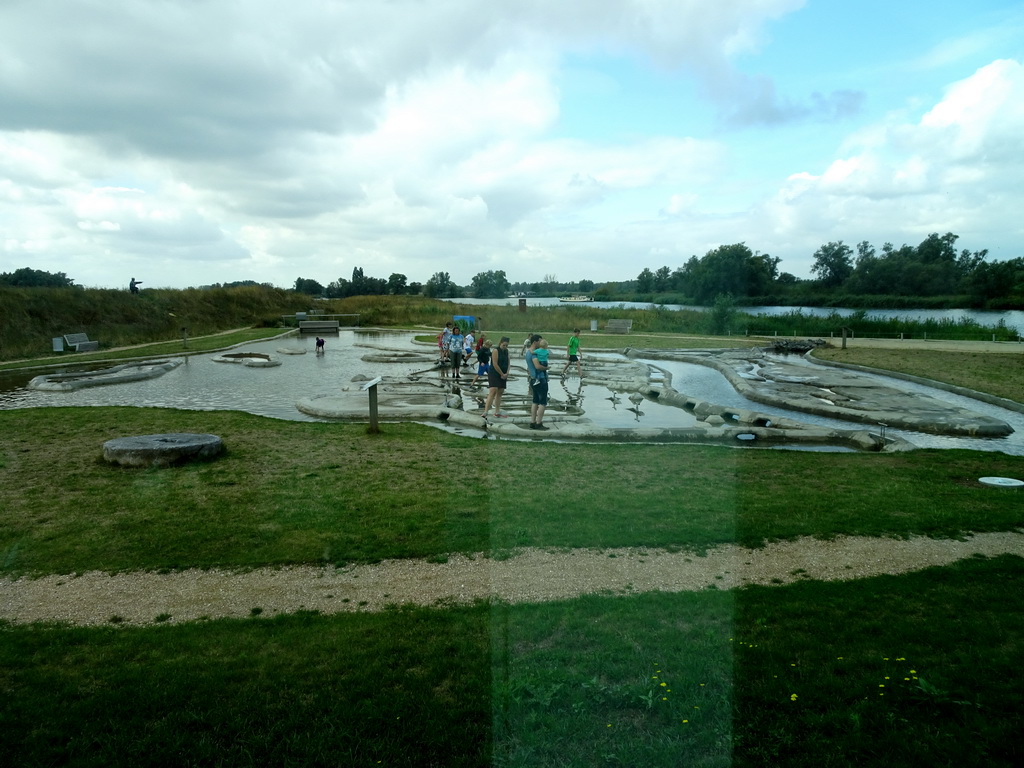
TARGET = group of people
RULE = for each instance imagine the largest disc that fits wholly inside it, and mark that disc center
(538, 361)
(457, 349)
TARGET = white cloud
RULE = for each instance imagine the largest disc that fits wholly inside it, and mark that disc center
(255, 140)
(956, 169)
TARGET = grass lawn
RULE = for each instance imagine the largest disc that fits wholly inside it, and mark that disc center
(916, 670)
(919, 669)
(297, 492)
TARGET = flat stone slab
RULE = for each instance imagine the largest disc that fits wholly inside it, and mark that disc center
(835, 393)
(162, 450)
(118, 374)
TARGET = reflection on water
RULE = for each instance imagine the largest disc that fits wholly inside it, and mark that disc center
(202, 384)
(708, 384)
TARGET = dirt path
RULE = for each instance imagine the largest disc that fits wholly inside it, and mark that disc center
(530, 576)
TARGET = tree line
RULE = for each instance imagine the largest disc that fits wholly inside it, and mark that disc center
(933, 268)
(842, 274)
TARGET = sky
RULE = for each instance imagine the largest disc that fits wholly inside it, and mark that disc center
(192, 142)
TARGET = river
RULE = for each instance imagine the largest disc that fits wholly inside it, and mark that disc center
(1013, 319)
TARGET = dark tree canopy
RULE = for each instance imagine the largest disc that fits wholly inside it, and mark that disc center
(491, 285)
(35, 278)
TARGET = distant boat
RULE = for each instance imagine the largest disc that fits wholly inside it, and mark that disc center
(577, 299)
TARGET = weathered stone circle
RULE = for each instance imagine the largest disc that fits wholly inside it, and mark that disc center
(164, 450)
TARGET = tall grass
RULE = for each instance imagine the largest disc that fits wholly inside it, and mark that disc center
(797, 323)
(31, 317)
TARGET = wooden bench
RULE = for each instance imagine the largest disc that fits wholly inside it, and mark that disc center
(618, 326)
(80, 342)
(318, 326)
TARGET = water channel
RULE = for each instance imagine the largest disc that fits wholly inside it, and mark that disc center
(200, 383)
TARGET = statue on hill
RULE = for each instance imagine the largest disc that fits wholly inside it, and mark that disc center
(133, 286)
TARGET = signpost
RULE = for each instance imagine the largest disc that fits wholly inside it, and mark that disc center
(371, 387)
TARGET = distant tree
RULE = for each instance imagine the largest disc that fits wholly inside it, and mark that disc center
(415, 289)
(338, 289)
(491, 285)
(662, 279)
(732, 270)
(833, 264)
(722, 313)
(787, 279)
(397, 284)
(645, 281)
(440, 286)
(586, 286)
(933, 268)
(35, 278)
(311, 287)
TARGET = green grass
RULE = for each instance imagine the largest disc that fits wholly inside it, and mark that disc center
(157, 349)
(297, 492)
(570, 683)
(573, 683)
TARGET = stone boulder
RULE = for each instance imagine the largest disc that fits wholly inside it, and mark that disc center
(162, 450)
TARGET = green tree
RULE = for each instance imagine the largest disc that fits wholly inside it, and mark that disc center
(645, 281)
(491, 285)
(35, 278)
(732, 270)
(310, 287)
(397, 284)
(833, 264)
(722, 313)
(662, 279)
(440, 286)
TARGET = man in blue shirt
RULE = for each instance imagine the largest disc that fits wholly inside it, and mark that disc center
(537, 385)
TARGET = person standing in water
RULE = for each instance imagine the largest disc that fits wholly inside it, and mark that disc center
(497, 378)
(575, 356)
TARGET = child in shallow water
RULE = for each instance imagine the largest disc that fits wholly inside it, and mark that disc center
(483, 361)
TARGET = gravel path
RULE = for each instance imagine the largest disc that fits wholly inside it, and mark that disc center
(531, 575)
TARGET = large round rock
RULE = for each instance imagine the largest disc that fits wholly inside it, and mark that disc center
(162, 450)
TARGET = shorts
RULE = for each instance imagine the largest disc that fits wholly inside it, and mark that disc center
(573, 359)
(483, 368)
(540, 392)
(494, 379)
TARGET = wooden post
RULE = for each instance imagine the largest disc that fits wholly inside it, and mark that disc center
(371, 387)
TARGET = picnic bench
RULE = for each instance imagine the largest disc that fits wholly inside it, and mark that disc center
(618, 326)
(80, 342)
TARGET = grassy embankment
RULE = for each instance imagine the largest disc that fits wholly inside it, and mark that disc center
(919, 669)
(31, 317)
